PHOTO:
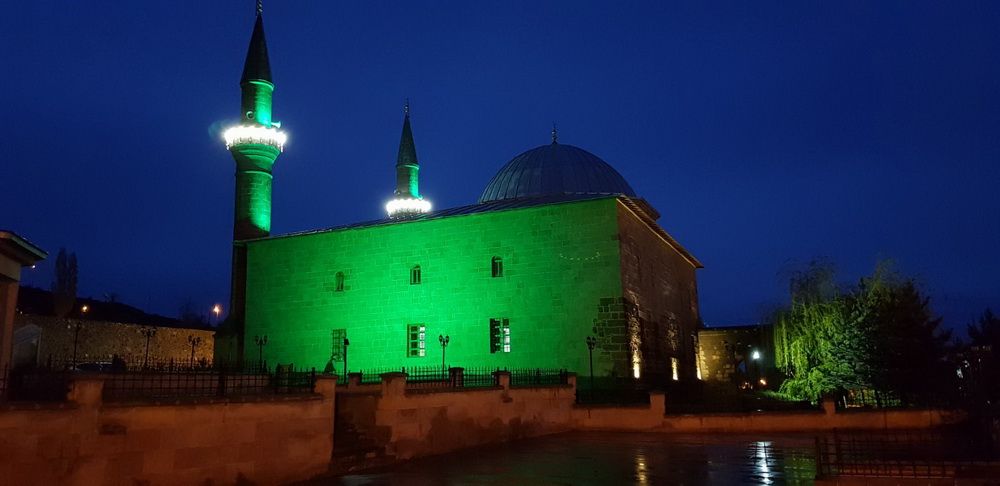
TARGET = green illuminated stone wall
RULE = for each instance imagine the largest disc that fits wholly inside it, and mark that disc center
(561, 279)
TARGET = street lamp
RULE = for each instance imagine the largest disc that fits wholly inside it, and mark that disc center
(591, 343)
(195, 341)
(216, 310)
(755, 356)
(346, 344)
(148, 333)
(444, 344)
(84, 309)
(261, 342)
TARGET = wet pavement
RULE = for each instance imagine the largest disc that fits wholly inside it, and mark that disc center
(605, 458)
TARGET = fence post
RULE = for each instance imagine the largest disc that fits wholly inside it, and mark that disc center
(502, 379)
(221, 390)
(353, 379)
(457, 376)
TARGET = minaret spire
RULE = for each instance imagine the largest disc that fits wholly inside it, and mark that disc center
(260, 7)
(407, 201)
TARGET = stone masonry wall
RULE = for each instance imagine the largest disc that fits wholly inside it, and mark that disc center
(99, 340)
(661, 300)
(89, 443)
(414, 423)
(560, 278)
(719, 363)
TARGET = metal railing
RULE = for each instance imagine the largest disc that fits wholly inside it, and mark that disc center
(34, 384)
(903, 455)
(153, 385)
(537, 377)
(430, 377)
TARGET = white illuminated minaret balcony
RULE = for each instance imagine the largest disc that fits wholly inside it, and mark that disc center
(254, 134)
(407, 207)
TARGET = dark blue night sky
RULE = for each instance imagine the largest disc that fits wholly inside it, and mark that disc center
(764, 132)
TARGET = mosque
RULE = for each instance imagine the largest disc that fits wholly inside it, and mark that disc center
(557, 254)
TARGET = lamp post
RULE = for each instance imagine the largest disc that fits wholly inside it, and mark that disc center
(755, 356)
(76, 338)
(216, 310)
(346, 344)
(148, 333)
(195, 341)
(591, 343)
(444, 345)
(261, 342)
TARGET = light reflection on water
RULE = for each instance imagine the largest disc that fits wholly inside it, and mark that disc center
(610, 458)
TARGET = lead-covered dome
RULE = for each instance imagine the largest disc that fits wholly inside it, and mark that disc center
(555, 169)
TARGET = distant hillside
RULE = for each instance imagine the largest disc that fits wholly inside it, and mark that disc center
(35, 301)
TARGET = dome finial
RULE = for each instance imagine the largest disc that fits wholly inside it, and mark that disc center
(406, 107)
(260, 7)
(554, 133)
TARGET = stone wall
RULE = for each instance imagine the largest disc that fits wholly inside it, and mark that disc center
(417, 423)
(560, 276)
(87, 442)
(652, 419)
(661, 301)
(725, 351)
(99, 340)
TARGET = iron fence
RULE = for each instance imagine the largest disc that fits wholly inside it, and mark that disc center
(904, 455)
(432, 377)
(146, 385)
(372, 376)
(537, 377)
(480, 378)
(429, 377)
(34, 384)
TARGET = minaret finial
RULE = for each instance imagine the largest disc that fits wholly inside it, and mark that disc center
(554, 133)
(406, 108)
(260, 7)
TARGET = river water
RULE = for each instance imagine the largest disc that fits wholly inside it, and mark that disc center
(607, 458)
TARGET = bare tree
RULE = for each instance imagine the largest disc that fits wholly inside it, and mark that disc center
(64, 287)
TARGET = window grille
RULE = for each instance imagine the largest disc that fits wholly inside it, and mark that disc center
(339, 335)
(500, 335)
(416, 341)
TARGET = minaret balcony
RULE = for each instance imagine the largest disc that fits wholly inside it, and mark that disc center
(255, 135)
(407, 207)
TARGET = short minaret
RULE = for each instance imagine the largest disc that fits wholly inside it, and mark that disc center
(255, 144)
(407, 202)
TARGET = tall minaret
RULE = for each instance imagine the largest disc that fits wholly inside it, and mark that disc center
(255, 144)
(407, 201)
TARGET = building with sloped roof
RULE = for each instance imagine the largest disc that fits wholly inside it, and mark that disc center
(558, 249)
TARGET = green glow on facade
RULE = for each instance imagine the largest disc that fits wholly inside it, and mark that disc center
(561, 278)
(256, 101)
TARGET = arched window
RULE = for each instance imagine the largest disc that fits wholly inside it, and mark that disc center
(497, 267)
(415, 275)
(339, 282)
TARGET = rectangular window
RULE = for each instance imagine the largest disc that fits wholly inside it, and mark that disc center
(415, 275)
(416, 344)
(497, 267)
(339, 336)
(500, 335)
(674, 369)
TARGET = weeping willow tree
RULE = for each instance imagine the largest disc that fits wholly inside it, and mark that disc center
(876, 335)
